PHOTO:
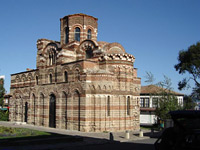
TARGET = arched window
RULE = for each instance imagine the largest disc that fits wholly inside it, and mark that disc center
(50, 78)
(66, 76)
(108, 106)
(128, 105)
(66, 35)
(52, 57)
(77, 34)
(89, 34)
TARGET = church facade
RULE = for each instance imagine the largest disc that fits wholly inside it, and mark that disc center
(79, 83)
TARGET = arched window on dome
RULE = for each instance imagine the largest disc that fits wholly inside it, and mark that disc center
(77, 34)
(89, 34)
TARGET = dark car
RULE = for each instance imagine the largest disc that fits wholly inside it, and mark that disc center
(184, 135)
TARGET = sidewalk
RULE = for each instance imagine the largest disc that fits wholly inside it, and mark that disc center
(88, 138)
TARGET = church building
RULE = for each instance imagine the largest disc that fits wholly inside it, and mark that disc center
(79, 83)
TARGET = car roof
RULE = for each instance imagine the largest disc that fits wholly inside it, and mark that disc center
(185, 114)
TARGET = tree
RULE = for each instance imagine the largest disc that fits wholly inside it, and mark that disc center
(189, 62)
(167, 98)
(188, 103)
(2, 91)
(167, 101)
(3, 115)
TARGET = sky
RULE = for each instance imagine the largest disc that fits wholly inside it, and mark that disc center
(154, 31)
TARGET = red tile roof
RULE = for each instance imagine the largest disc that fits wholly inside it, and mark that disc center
(153, 89)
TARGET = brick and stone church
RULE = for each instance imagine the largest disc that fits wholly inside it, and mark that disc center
(79, 83)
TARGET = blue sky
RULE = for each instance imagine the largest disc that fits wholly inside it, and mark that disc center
(154, 31)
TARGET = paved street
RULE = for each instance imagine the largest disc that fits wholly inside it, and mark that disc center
(146, 144)
(91, 141)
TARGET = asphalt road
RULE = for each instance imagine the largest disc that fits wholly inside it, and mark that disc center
(146, 144)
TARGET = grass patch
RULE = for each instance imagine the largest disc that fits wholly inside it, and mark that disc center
(8, 132)
(22, 136)
(146, 127)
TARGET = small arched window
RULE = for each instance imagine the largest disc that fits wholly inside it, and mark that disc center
(77, 34)
(52, 57)
(50, 78)
(128, 105)
(66, 76)
(89, 34)
(108, 106)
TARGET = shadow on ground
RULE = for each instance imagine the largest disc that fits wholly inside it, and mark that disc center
(53, 138)
(65, 142)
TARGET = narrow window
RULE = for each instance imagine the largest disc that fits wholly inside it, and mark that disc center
(77, 34)
(77, 75)
(52, 57)
(128, 105)
(50, 60)
(89, 34)
(154, 102)
(108, 106)
(50, 78)
(141, 102)
(146, 102)
(66, 35)
(36, 80)
(66, 76)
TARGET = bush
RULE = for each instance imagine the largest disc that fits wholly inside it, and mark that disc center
(4, 115)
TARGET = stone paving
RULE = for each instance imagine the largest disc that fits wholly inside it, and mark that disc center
(88, 138)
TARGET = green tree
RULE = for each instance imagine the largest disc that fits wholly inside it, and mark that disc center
(189, 62)
(4, 115)
(167, 99)
(2, 91)
(188, 103)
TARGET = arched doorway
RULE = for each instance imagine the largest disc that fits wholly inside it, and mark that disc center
(52, 111)
(26, 112)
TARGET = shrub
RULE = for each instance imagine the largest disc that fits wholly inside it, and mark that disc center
(4, 115)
